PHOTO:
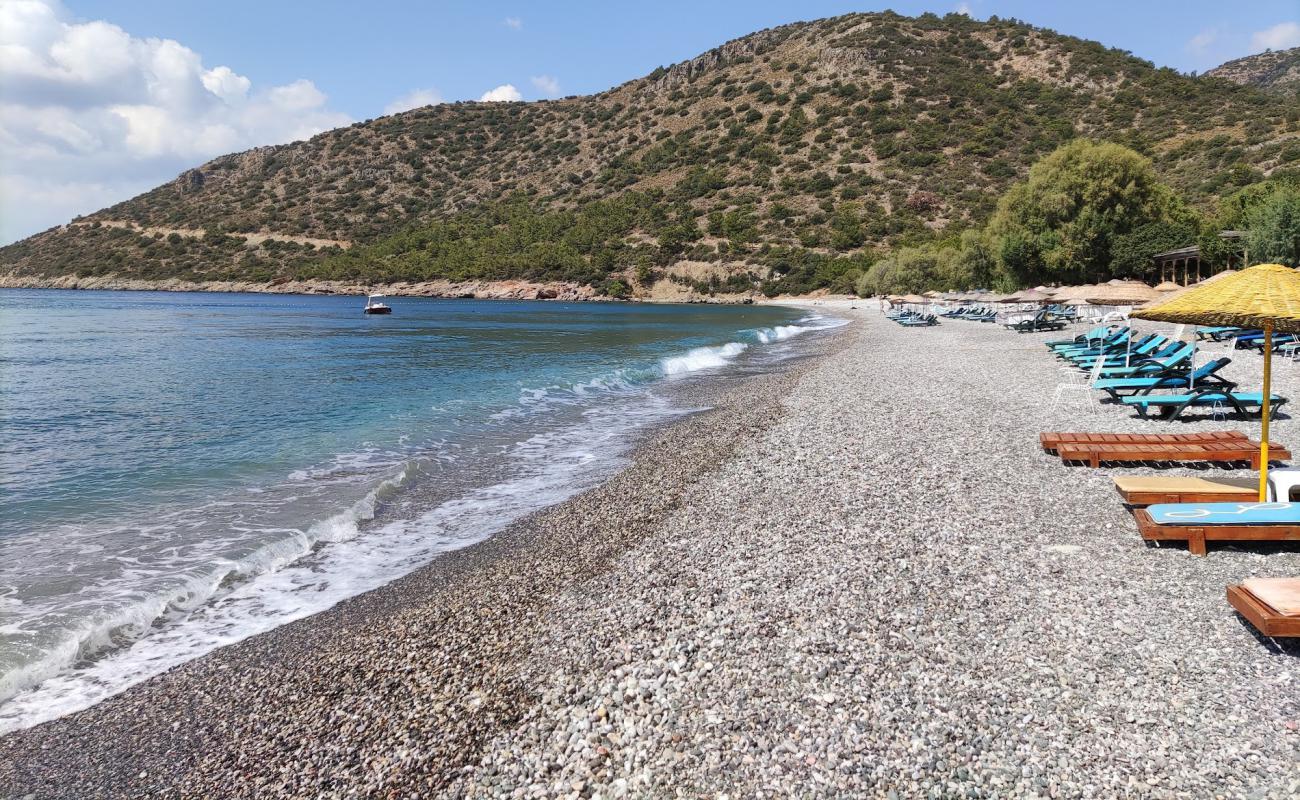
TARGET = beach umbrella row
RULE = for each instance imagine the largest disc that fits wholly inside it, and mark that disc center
(1266, 296)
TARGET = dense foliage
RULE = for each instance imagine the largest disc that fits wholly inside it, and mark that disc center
(1091, 212)
(1273, 226)
(1060, 225)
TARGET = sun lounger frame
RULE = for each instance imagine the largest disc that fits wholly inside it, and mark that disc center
(1264, 617)
(1197, 536)
(1210, 452)
(1143, 403)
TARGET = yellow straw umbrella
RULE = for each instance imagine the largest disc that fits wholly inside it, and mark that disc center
(1266, 296)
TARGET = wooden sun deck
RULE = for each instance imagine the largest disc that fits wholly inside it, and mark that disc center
(1142, 490)
(1052, 441)
(1209, 452)
(1197, 536)
(1223, 447)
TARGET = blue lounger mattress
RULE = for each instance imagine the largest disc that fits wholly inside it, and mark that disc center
(1225, 513)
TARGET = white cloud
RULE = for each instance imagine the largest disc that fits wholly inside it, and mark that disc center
(963, 8)
(416, 98)
(1201, 42)
(513, 23)
(546, 84)
(1279, 37)
(505, 93)
(301, 95)
(91, 115)
(224, 83)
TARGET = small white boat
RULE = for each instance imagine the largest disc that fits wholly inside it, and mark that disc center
(373, 306)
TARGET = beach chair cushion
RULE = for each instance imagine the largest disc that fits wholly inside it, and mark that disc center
(1280, 594)
(1209, 514)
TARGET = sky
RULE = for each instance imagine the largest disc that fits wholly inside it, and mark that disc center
(100, 100)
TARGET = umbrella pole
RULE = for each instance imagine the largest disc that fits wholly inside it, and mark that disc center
(1263, 412)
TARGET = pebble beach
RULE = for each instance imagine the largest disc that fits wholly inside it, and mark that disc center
(859, 577)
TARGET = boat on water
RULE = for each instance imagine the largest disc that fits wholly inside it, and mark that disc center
(374, 306)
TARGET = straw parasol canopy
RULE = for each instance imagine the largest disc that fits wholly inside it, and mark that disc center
(1167, 286)
(932, 294)
(1033, 296)
(1263, 296)
(912, 298)
(1218, 276)
(1122, 293)
(1072, 292)
(1266, 296)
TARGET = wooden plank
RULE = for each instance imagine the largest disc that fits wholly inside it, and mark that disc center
(1053, 439)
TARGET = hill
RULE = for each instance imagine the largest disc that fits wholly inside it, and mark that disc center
(798, 151)
(1275, 71)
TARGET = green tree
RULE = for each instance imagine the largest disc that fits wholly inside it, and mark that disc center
(1273, 227)
(976, 262)
(1061, 223)
(846, 228)
(1244, 210)
(1131, 252)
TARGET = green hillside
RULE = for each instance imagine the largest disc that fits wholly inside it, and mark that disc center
(804, 150)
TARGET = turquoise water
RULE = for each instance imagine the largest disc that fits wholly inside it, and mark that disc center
(180, 471)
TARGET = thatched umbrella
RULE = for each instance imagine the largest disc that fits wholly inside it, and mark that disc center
(1218, 276)
(1167, 286)
(1034, 296)
(1122, 293)
(1071, 292)
(912, 299)
(1266, 296)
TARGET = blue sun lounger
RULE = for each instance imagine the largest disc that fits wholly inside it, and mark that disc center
(1278, 340)
(1206, 376)
(1149, 367)
(1117, 341)
(1170, 406)
(1217, 332)
(1097, 334)
(1151, 346)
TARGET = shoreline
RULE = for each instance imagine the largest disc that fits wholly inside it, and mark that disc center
(136, 750)
(861, 577)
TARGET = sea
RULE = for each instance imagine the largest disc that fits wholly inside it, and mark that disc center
(179, 471)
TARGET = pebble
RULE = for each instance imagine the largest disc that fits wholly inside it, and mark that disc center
(860, 577)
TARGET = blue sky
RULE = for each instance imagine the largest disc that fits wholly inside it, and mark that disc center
(363, 55)
(100, 100)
